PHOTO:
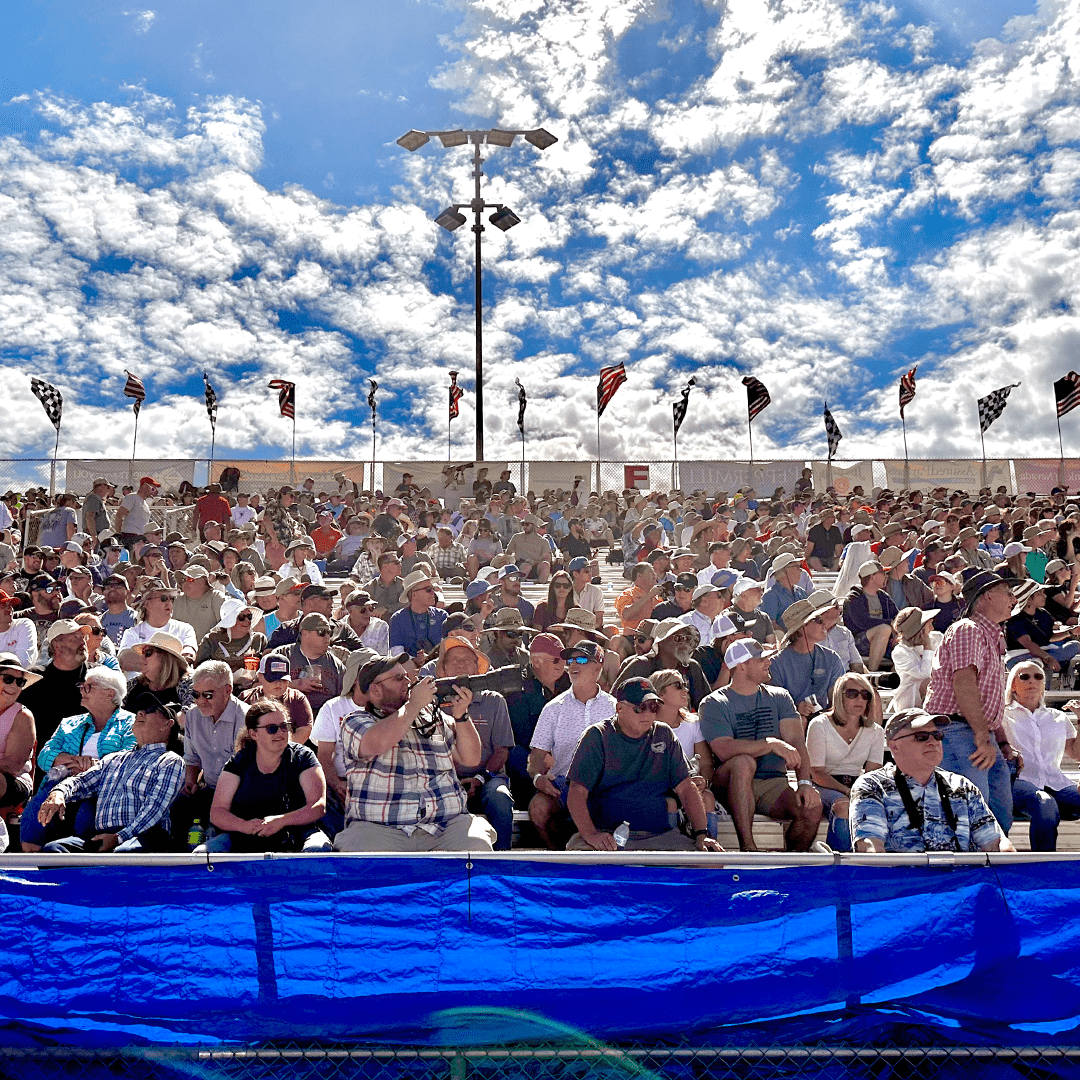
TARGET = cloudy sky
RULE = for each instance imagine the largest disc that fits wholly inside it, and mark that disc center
(818, 193)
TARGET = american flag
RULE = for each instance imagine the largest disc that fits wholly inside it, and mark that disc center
(832, 432)
(455, 396)
(211, 401)
(611, 378)
(993, 405)
(372, 404)
(134, 388)
(522, 401)
(907, 389)
(286, 397)
(757, 397)
(678, 408)
(51, 399)
(1067, 393)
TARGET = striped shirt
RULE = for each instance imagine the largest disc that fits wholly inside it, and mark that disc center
(134, 789)
(411, 786)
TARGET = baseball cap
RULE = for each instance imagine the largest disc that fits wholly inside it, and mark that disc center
(275, 668)
(738, 652)
(61, 627)
(913, 720)
(42, 582)
(579, 562)
(589, 649)
(148, 480)
(744, 585)
(477, 588)
(148, 701)
(636, 692)
(316, 590)
(686, 581)
(314, 621)
(724, 579)
(508, 570)
(546, 645)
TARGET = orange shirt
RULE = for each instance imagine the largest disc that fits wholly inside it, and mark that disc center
(631, 596)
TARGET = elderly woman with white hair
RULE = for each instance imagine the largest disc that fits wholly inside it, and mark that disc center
(105, 727)
(1041, 736)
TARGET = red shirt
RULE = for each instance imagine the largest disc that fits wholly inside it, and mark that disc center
(972, 642)
(212, 508)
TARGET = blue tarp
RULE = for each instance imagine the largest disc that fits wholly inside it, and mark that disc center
(376, 950)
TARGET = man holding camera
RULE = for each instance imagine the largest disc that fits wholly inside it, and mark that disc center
(401, 755)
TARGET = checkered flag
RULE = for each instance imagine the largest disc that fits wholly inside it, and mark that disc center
(757, 397)
(832, 432)
(678, 408)
(211, 402)
(52, 401)
(372, 403)
(993, 405)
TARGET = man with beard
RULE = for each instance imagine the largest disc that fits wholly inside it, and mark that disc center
(401, 753)
(673, 647)
(46, 596)
(28, 570)
(508, 593)
(361, 628)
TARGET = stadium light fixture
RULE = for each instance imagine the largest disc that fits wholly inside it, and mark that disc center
(503, 219)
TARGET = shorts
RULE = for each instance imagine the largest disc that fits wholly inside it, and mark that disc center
(767, 793)
(17, 790)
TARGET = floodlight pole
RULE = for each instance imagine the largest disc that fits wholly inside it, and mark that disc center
(541, 139)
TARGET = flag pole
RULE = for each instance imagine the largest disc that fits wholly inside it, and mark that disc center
(292, 460)
(903, 425)
(134, 440)
(982, 441)
(523, 490)
(598, 450)
(1061, 447)
(750, 432)
(52, 470)
(373, 450)
(675, 454)
(213, 437)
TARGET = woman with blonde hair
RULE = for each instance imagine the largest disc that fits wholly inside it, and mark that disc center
(842, 744)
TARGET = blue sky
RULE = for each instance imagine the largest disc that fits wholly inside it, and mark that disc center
(815, 192)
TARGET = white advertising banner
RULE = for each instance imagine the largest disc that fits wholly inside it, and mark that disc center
(448, 480)
(545, 475)
(846, 476)
(729, 476)
(956, 474)
(170, 472)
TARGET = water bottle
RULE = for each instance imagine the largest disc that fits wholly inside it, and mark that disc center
(622, 834)
(196, 834)
(695, 765)
(792, 779)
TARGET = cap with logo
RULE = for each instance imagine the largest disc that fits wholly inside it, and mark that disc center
(738, 652)
(636, 692)
(274, 667)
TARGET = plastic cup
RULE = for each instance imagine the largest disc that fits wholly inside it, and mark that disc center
(251, 663)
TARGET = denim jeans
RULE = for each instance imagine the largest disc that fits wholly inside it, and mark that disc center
(316, 840)
(78, 818)
(994, 783)
(1045, 807)
(496, 803)
(839, 834)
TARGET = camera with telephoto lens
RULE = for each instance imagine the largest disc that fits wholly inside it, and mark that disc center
(884, 680)
(504, 680)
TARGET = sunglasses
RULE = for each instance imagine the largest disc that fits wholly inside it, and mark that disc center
(362, 607)
(579, 660)
(273, 729)
(321, 633)
(677, 685)
(562, 585)
(425, 588)
(640, 639)
(14, 680)
(925, 736)
(648, 707)
(851, 694)
(515, 635)
(245, 618)
(95, 631)
(1025, 676)
(206, 695)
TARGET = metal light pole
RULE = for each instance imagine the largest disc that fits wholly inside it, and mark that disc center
(503, 218)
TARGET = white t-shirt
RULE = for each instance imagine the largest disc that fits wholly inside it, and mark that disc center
(142, 632)
(138, 513)
(327, 727)
(829, 751)
(689, 734)
(242, 515)
(21, 639)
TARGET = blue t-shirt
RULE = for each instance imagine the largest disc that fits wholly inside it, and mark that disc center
(414, 632)
(804, 675)
(725, 714)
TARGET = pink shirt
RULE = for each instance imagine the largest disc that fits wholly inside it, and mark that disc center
(972, 642)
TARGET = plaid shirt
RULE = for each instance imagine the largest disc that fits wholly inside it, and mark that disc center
(134, 789)
(446, 558)
(412, 786)
(973, 642)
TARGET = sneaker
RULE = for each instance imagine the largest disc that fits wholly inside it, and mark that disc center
(4, 838)
(819, 847)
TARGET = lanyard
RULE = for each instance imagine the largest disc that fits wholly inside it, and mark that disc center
(914, 812)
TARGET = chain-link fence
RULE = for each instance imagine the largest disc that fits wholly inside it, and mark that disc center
(583, 1061)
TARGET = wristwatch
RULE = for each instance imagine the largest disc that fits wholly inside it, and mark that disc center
(806, 783)
(695, 833)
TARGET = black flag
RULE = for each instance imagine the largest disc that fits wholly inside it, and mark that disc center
(522, 400)
(372, 405)
(211, 402)
(678, 408)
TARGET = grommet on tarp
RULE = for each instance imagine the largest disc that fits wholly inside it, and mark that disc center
(209, 864)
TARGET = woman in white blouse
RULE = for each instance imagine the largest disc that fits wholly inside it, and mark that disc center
(1041, 737)
(843, 743)
(913, 657)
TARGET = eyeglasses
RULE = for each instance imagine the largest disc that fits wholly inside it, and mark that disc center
(582, 660)
(245, 618)
(851, 693)
(425, 588)
(205, 695)
(273, 729)
(648, 707)
(1024, 676)
(924, 736)
(14, 680)
(87, 687)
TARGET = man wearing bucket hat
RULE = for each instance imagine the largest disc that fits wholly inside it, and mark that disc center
(912, 804)
(756, 733)
(199, 604)
(622, 770)
(417, 628)
(967, 684)
(785, 589)
(805, 667)
(503, 637)
(673, 646)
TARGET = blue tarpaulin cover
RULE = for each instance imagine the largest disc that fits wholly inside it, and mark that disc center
(377, 950)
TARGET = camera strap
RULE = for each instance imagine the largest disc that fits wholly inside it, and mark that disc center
(914, 811)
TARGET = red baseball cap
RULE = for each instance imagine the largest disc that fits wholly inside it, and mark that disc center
(148, 480)
(546, 645)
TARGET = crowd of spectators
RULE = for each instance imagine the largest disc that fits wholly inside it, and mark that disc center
(307, 670)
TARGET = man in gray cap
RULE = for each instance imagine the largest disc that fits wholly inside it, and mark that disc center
(912, 804)
(198, 604)
(869, 612)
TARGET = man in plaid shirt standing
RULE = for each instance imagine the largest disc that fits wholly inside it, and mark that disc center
(967, 684)
(400, 755)
(448, 556)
